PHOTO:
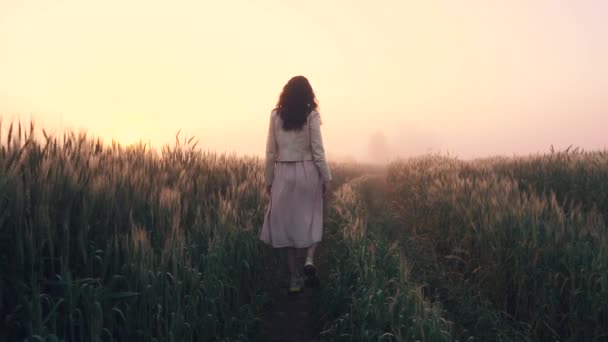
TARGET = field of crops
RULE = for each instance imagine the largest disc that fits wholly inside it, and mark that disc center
(119, 243)
(527, 234)
(103, 243)
(126, 243)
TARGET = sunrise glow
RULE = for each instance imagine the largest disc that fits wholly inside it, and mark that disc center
(473, 78)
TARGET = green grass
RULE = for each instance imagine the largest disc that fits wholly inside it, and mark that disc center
(576, 177)
(107, 243)
(513, 240)
(368, 294)
(128, 243)
(101, 243)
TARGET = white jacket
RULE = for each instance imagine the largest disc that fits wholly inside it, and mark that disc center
(295, 145)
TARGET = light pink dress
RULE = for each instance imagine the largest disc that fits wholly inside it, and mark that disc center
(294, 217)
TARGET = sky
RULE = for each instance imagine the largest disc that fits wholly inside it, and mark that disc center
(471, 78)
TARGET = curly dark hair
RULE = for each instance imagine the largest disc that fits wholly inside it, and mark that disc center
(296, 102)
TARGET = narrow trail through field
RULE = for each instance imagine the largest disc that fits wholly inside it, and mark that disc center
(297, 317)
(294, 317)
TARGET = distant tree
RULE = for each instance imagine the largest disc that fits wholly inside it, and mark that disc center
(378, 148)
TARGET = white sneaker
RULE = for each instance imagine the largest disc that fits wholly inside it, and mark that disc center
(310, 269)
(312, 280)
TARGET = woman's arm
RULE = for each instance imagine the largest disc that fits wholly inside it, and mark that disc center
(271, 152)
(318, 151)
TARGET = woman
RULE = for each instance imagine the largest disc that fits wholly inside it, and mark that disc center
(297, 178)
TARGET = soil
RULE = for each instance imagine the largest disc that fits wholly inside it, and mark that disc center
(295, 317)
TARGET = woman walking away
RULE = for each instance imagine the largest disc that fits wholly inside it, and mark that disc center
(297, 178)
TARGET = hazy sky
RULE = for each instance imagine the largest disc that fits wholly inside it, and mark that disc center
(470, 77)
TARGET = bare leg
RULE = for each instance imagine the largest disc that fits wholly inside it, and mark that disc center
(310, 253)
(312, 280)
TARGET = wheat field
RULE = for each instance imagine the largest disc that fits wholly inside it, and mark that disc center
(528, 233)
(103, 243)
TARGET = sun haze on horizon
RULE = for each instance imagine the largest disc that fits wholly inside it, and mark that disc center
(473, 78)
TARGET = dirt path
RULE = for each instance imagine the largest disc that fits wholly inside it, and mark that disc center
(295, 317)
(292, 317)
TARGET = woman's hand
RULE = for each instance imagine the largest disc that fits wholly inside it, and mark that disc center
(268, 189)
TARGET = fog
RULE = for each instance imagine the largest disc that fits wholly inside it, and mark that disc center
(393, 78)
